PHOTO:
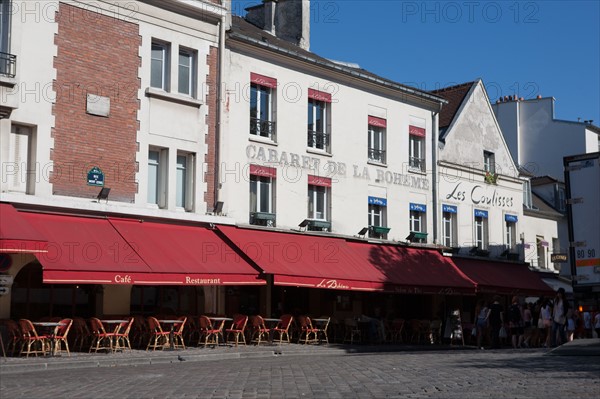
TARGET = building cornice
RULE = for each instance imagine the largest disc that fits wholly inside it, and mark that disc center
(480, 172)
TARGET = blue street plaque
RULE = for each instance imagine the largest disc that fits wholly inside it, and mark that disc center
(95, 177)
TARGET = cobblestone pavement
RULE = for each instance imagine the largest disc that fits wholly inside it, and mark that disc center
(431, 374)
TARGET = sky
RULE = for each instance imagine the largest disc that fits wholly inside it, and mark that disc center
(524, 48)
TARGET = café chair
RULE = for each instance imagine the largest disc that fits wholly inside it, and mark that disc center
(31, 342)
(60, 336)
(13, 335)
(308, 333)
(352, 332)
(101, 340)
(178, 333)
(207, 333)
(259, 330)
(282, 328)
(237, 329)
(81, 333)
(322, 330)
(158, 337)
(122, 335)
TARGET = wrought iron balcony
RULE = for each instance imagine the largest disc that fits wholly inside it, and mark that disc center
(417, 163)
(376, 155)
(263, 128)
(8, 65)
(318, 140)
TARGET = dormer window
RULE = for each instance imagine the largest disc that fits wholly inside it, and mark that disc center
(489, 162)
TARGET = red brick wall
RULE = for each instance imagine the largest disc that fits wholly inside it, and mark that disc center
(212, 60)
(96, 54)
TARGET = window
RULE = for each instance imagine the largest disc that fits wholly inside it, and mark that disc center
(489, 163)
(377, 129)
(18, 172)
(449, 226)
(157, 177)
(318, 119)
(527, 198)
(186, 73)
(481, 229)
(318, 202)
(377, 218)
(159, 68)
(261, 106)
(416, 148)
(560, 198)
(184, 197)
(5, 14)
(262, 195)
(541, 251)
(418, 225)
(511, 232)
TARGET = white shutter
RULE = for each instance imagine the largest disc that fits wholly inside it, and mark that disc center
(18, 158)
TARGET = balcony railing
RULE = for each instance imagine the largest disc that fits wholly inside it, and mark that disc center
(263, 128)
(318, 140)
(376, 155)
(417, 163)
(8, 65)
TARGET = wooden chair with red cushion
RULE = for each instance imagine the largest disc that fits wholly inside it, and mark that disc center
(101, 340)
(61, 336)
(237, 329)
(122, 336)
(178, 329)
(260, 332)
(158, 337)
(208, 334)
(31, 342)
(308, 334)
(282, 329)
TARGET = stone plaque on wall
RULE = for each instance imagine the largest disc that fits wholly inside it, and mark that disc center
(98, 105)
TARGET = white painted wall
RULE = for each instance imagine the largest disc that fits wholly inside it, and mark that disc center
(534, 227)
(542, 140)
(350, 110)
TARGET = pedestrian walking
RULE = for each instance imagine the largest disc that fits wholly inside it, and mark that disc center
(559, 318)
(515, 320)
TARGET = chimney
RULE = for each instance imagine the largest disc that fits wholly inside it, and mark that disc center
(287, 19)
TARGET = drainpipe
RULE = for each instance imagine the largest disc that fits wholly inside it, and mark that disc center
(434, 177)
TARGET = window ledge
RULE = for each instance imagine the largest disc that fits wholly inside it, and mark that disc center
(319, 152)
(7, 82)
(417, 171)
(375, 163)
(262, 140)
(172, 97)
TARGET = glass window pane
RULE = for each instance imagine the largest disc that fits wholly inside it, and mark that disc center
(264, 104)
(184, 73)
(253, 194)
(311, 106)
(181, 180)
(157, 66)
(264, 197)
(153, 158)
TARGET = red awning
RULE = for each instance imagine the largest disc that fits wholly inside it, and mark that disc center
(17, 235)
(187, 255)
(414, 270)
(84, 250)
(306, 261)
(504, 278)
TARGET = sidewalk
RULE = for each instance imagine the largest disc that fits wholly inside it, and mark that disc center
(194, 354)
(579, 347)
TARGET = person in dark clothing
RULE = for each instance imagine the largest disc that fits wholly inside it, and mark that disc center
(515, 319)
(495, 320)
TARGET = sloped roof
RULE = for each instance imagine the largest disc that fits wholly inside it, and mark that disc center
(455, 95)
(541, 180)
(542, 208)
(240, 28)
